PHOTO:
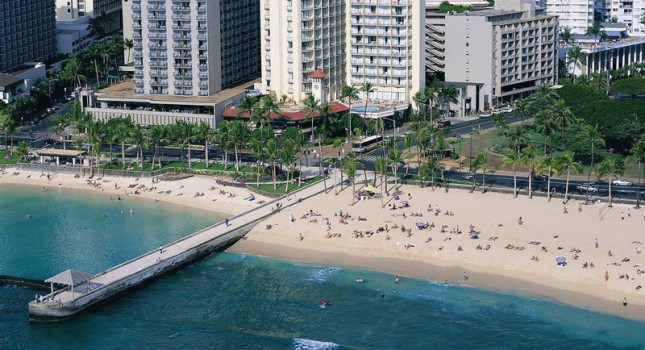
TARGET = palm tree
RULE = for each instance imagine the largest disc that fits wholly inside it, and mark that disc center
(395, 159)
(205, 133)
(565, 162)
(448, 95)
(128, 44)
(72, 70)
(350, 165)
(430, 169)
(257, 148)
(136, 139)
(408, 141)
(182, 132)
(155, 137)
(562, 116)
(311, 105)
(576, 56)
(481, 163)
(288, 157)
(380, 166)
(122, 131)
(546, 163)
(367, 88)
(637, 155)
(516, 138)
(566, 36)
(248, 105)
(272, 156)
(22, 151)
(239, 134)
(596, 29)
(521, 110)
(430, 92)
(513, 159)
(544, 123)
(224, 141)
(60, 122)
(593, 136)
(610, 168)
(419, 134)
(501, 123)
(529, 158)
(349, 93)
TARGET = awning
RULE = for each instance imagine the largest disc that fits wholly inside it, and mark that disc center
(70, 277)
(52, 152)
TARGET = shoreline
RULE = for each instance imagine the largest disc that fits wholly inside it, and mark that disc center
(511, 255)
(497, 283)
(230, 202)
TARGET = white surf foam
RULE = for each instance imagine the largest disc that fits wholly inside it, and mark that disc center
(308, 344)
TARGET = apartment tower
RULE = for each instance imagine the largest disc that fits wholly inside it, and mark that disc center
(193, 48)
(575, 14)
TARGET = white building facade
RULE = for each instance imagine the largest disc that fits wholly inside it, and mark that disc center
(352, 41)
(628, 12)
(575, 14)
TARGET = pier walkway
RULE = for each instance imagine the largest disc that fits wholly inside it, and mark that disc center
(66, 303)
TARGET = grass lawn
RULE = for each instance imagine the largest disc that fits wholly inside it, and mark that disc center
(280, 187)
(179, 165)
(4, 159)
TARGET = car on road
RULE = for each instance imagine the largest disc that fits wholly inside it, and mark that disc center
(497, 111)
(622, 182)
(587, 187)
(485, 115)
(540, 177)
(507, 110)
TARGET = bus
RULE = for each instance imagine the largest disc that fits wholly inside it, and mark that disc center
(367, 144)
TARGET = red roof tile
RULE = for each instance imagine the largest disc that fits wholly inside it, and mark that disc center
(318, 74)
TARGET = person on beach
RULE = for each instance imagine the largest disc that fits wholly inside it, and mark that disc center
(595, 243)
(226, 222)
(624, 301)
(565, 210)
(580, 207)
(519, 221)
(465, 277)
(396, 279)
(606, 276)
(622, 216)
(160, 249)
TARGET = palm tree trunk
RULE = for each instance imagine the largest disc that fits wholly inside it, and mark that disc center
(484, 181)
(610, 199)
(514, 183)
(382, 199)
(566, 187)
(122, 154)
(190, 165)
(530, 186)
(206, 152)
(286, 188)
(237, 168)
(638, 190)
(274, 180)
(548, 186)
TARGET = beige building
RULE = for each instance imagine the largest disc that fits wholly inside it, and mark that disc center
(496, 55)
(578, 15)
(351, 41)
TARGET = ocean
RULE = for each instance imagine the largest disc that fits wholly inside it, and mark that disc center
(234, 301)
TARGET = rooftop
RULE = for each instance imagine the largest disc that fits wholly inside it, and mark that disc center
(124, 92)
(7, 80)
(289, 112)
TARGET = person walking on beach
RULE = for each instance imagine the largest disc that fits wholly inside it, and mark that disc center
(595, 243)
(622, 216)
(465, 277)
(396, 279)
(606, 276)
(226, 222)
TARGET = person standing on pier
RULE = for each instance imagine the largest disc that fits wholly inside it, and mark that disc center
(226, 222)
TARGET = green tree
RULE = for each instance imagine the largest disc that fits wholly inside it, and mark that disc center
(633, 86)
(240, 135)
(129, 45)
(565, 162)
(155, 138)
(122, 129)
(272, 156)
(367, 88)
(72, 71)
(513, 159)
(349, 93)
(448, 95)
(566, 36)
(311, 106)
(380, 166)
(576, 56)
(610, 168)
(408, 141)
(288, 157)
(529, 158)
(501, 123)
(350, 165)
(430, 170)
(597, 30)
(431, 93)
(592, 136)
(516, 138)
(637, 155)
(546, 163)
(481, 163)
(22, 151)
(205, 134)
(395, 159)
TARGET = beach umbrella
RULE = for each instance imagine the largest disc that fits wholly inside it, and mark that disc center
(404, 202)
(560, 260)
(421, 225)
(474, 235)
(370, 189)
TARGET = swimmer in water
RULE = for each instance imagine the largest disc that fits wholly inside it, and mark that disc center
(131, 211)
(359, 280)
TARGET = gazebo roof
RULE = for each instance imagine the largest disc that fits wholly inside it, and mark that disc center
(70, 277)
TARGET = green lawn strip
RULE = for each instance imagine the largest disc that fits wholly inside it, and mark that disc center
(179, 165)
(281, 186)
(5, 160)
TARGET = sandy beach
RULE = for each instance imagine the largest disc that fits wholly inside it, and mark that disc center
(508, 256)
(199, 192)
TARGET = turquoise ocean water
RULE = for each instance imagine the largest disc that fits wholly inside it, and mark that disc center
(232, 301)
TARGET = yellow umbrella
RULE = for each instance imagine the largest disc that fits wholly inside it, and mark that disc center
(369, 189)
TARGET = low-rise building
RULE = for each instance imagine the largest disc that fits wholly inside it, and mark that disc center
(606, 56)
(495, 55)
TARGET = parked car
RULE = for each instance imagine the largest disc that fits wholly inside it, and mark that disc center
(507, 110)
(622, 182)
(540, 177)
(485, 115)
(587, 187)
(497, 111)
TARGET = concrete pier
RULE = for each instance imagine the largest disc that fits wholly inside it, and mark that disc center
(64, 304)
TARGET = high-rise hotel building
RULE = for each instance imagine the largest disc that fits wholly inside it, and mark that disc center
(27, 31)
(194, 47)
(350, 41)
